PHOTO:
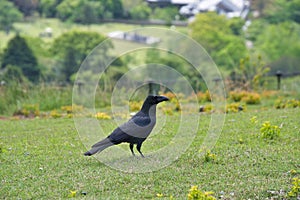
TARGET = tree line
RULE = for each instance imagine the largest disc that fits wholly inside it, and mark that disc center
(81, 11)
(274, 35)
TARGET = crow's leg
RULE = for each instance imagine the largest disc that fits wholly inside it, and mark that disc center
(131, 148)
(138, 147)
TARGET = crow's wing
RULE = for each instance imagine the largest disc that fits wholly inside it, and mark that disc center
(139, 126)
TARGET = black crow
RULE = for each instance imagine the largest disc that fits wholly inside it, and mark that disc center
(135, 131)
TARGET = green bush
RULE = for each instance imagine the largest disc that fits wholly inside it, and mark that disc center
(269, 131)
(290, 103)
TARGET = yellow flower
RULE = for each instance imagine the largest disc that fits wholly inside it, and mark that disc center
(254, 120)
(159, 195)
(101, 115)
(209, 193)
(72, 193)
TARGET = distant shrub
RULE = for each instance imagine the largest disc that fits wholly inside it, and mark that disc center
(207, 108)
(292, 103)
(170, 95)
(279, 103)
(135, 105)
(28, 110)
(234, 108)
(72, 109)
(289, 103)
(173, 104)
(244, 96)
(196, 194)
(251, 98)
(102, 115)
(55, 114)
(204, 97)
(269, 93)
(168, 110)
(237, 96)
(269, 131)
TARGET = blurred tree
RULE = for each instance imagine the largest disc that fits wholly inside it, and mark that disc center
(251, 71)
(115, 7)
(13, 74)
(19, 54)
(72, 48)
(89, 11)
(279, 40)
(140, 12)
(280, 45)
(168, 13)
(236, 25)
(218, 36)
(27, 7)
(284, 10)
(129, 4)
(47, 8)
(9, 15)
(69, 10)
(261, 5)
(255, 29)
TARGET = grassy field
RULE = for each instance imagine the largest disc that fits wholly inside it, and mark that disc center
(33, 28)
(42, 159)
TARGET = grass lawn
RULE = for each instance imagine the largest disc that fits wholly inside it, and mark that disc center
(42, 159)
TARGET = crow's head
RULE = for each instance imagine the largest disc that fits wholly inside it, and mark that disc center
(152, 100)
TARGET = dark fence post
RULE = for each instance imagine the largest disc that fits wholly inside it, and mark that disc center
(279, 75)
(80, 85)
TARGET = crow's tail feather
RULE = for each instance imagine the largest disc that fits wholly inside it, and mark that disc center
(98, 147)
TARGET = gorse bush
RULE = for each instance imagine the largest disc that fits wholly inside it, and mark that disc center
(237, 96)
(102, 115)
(289, 103)
(196, 194)
(55, 114)
(251, 98)
(244, 96)
(234, 108)
(209, 157)
(295, 190)
(204, 97)
(173, 105)
(207, 108)
(28, 110)
(269, 131)
(135, 105)
(170, 95)
(72, 109)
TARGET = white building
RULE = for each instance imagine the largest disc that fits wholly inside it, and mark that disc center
(229, 8)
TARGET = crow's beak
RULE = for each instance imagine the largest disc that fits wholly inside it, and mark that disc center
(162, 98)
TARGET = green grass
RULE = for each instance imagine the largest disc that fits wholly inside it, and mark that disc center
(42, 159)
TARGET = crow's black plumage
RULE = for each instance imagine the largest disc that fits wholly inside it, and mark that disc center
(135, 131)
